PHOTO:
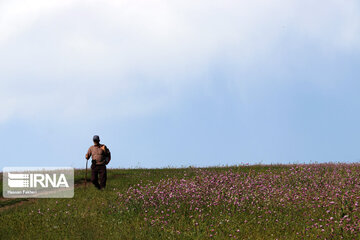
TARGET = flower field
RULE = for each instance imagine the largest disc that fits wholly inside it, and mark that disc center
(312, 201)
(324, 199)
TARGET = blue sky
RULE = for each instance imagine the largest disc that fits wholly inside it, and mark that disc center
(179, 83)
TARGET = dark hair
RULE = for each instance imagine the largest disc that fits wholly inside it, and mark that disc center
(96, 138)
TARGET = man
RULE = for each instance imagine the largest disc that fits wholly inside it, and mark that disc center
(101, 157)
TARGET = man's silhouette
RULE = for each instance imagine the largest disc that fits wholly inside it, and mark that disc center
(101, 157)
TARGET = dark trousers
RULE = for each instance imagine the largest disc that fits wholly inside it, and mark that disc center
(98, 171)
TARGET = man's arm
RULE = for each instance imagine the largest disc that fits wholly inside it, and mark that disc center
(88, 154)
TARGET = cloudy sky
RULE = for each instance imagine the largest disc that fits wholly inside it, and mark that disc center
(179, 83)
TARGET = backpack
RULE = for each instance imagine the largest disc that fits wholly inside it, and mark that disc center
(106, 153)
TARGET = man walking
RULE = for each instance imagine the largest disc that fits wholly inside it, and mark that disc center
(101, 157)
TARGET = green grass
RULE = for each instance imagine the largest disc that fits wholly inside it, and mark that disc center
(94, 214)
(87, 215)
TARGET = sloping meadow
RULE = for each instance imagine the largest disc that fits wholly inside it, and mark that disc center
(315, 201)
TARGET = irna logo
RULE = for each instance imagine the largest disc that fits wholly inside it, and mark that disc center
(33, 180)
(38, 182)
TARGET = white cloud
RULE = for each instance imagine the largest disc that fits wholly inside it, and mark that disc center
(63, 58)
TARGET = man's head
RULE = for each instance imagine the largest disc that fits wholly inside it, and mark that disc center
(96, 139)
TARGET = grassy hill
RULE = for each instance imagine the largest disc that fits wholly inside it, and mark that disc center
(244, 202)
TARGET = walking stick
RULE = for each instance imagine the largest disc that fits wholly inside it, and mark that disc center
(86, 171)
